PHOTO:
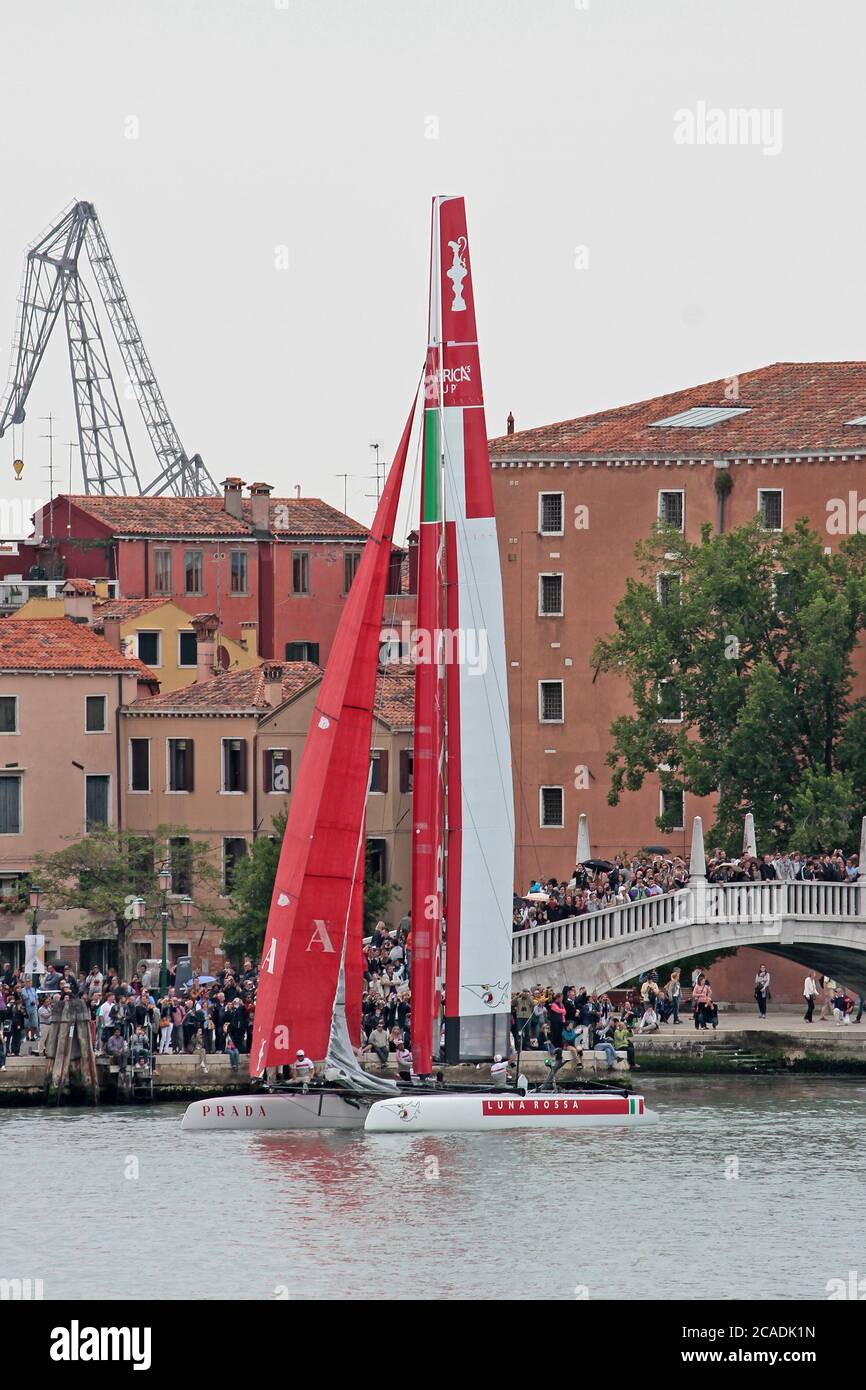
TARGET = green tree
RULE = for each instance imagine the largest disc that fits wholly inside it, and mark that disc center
(101, 873)
(254, 885)
(753, 646)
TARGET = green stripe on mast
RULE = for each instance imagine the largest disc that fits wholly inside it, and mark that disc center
(432, 482)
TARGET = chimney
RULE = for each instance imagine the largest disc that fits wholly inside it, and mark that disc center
(249, 637)
(204, 626)
(509, 424)
(111, 632)
(260, 505)
(273, 677)
(78, 600)
(232, 497)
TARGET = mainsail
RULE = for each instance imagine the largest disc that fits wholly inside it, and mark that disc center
(318, 892)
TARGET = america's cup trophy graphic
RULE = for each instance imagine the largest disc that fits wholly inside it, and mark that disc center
(457, 272)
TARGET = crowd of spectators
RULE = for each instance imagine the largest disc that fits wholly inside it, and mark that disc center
(132, 1021)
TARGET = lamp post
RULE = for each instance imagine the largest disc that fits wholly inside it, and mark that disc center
(164, 913)
(35, 899)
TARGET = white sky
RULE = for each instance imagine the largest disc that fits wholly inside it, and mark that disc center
(306, 126)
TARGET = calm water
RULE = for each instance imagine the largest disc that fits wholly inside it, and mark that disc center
(628, 1215)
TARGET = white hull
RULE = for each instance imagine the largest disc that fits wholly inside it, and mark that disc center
(457, 1113)
(276, 1110)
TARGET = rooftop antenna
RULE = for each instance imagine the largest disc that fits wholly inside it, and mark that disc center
(380, 469)
(50, 467)
(345, 477)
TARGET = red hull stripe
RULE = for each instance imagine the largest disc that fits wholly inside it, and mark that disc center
(558, 1105)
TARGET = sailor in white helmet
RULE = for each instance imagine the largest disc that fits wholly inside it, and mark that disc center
(303, 1070)
(499, 1071)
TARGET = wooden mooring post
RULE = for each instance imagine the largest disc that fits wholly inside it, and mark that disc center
(69, 1048)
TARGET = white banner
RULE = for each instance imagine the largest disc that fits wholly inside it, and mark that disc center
(34, 955)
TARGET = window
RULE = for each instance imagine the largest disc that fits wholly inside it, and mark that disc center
(552, 807)
(672, 509)
(671, 800)
(303, 651)
(180, 858)
(8, 714)
(277, 770)
(162, 572)
(377, 861)
(234, 850)
(187, 654)
(180, 764)
(700, 416)
(670, 702)
(668, 589)
(139, 764)
(351, 561)
(95, 714)
(379, 776)
(300, 572)
(234, 764)
(550, 702)
(239, 572)
(550, 595)
(10, 804)
(770, 508)
(141, 864)
(550, 513)
(407, 770)
(785, 592)
(96, 809)
(193, 572)
(394, 583)
(150, 648)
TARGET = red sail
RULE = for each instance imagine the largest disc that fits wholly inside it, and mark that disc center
(322, 854)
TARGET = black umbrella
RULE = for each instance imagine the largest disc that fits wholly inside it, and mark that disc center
(656, 849)
(597, 864)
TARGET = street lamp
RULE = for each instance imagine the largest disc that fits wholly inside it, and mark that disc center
(35, 899)
(165, 889)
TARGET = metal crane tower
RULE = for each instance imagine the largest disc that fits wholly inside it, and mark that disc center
(52, 279)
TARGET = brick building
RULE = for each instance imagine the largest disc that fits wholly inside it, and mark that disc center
(280, 565)
(573, 499)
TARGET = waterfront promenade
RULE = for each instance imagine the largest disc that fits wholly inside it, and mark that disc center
(743, 1043)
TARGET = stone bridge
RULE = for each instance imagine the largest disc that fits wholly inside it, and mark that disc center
(821, 925)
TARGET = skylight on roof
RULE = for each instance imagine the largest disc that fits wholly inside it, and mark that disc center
(699, 416)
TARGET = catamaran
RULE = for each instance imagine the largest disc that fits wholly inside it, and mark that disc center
(310, 981)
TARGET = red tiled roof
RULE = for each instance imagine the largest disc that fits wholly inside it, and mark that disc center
(235, 690)
(796, 408)
(124, 608)
(395, 697)
(58, 644)
(206, 516)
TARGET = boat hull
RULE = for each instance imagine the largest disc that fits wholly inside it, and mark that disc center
(276, 1111)
(449, 1114)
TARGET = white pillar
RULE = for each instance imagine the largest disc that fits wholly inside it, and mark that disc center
(861, 868)
(750, 845)
(698, 873)
(698, 862)
(584, 851)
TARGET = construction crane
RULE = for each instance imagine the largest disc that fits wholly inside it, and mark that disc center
(52, 280)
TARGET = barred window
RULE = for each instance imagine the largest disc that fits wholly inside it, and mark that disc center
(668, 588)
(550, 513)
(550, 702)
(552, 807)
(550, 595)
(770, 508)
(672, 509)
